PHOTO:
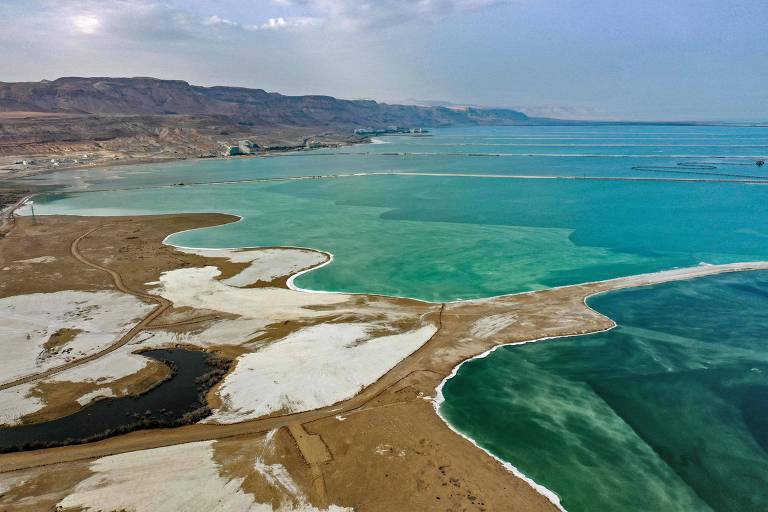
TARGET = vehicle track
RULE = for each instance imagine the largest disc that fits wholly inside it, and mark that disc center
(163, 306)
(157, 438)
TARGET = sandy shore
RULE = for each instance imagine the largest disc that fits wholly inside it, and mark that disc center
(381, 447)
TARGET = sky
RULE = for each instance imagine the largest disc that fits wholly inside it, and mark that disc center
(588, 59)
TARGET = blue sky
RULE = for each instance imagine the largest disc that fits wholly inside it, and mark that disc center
(648, 60)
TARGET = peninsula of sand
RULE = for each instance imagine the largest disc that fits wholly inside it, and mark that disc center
(328, 401)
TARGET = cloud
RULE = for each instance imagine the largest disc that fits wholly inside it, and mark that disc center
(172, 20)
(85, 24)
(139, 20)
(154, 20)
(279, 23)
(353, 14)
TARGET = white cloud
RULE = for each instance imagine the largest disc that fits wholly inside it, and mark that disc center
(275, 24)
(168, 20)
(156, 20)
(218, 21)
(85, 24)
(353, 14)
(279, 23)
(121, 19)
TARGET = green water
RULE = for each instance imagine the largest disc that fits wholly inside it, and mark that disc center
(514, 150)
(667, 412)
(446, 238)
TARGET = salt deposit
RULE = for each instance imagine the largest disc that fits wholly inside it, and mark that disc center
(199, 288)
(487, 326)
(16, 402)
(93, 395)
(312, 368)
(40, 259)
(265, 265)
(222, 332)
(183, 477)
(94, 320)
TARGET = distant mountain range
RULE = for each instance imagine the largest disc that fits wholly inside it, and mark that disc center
(71, 122)
(74, 122)
(250, 107)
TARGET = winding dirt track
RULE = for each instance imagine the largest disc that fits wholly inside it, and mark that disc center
(147, 439)
(163, 306)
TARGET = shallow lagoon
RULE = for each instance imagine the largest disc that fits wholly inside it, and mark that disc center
(445, 238)
(669, 411)
(448, 238)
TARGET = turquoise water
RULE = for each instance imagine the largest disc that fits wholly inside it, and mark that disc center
(452, 237)
(522, 150)
(667, 412)
(446, 238)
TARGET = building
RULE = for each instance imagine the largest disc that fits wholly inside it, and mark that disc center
(227, 150)
(243, 147)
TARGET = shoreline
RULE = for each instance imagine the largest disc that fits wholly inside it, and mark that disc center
(302, 151)
(107, 162)
(724, 267)
(747, 181)
(720, 269)
(582, 290)
(439, 399)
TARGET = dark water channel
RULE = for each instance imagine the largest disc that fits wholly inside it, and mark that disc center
(176, 401)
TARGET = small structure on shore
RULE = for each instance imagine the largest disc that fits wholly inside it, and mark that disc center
(312, 143)
(246, 147)
(243, 147)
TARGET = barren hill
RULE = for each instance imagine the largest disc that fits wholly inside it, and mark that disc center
(91, 121)
(153, 97)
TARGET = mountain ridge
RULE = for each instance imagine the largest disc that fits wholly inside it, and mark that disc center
(257, 107)
(75, 122)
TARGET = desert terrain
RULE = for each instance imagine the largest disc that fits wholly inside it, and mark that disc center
(329, 402)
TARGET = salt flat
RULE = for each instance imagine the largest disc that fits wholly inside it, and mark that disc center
(312, 368)
(85, 321)
(265, 264)
(182, 477)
